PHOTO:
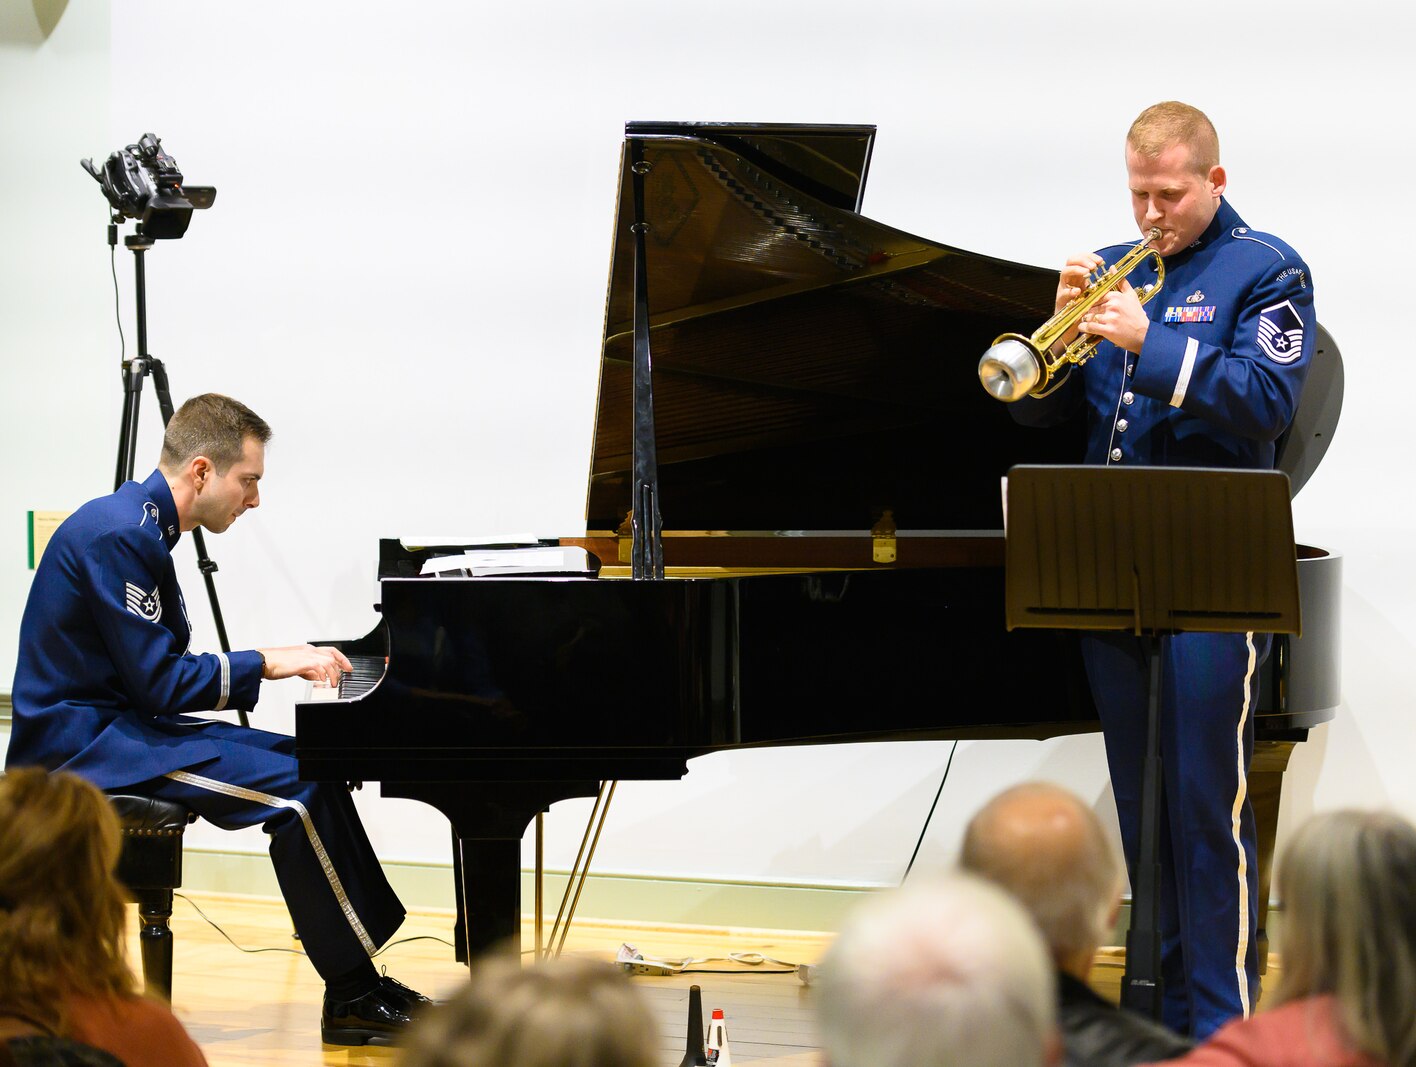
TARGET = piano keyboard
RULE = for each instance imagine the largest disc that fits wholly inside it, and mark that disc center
(368, 672)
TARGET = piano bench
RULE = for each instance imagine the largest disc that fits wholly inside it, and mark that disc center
(150, 868)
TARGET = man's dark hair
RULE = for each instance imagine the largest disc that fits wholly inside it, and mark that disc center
(214, 426)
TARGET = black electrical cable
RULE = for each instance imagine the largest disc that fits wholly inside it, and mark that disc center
(117, 305)
(925, 828)
(295, 951)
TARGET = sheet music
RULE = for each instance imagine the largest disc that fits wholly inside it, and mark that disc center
(483, 562)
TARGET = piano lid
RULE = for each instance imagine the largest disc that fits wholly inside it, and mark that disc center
(812, 367)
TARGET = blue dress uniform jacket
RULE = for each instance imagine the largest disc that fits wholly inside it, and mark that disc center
(106, 676)
(1216, 382)
(1218, 378)
(103, 687)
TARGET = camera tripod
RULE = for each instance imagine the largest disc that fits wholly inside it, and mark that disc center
(141, 366)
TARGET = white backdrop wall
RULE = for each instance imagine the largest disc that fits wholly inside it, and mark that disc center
(405, 274)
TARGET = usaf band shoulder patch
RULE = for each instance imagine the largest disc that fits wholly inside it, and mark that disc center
(143, 604)
(1281, 332)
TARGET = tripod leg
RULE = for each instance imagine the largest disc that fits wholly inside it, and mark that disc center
(205, 563)
(134, 370)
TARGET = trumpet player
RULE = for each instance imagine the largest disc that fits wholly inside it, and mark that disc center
(1206, 374)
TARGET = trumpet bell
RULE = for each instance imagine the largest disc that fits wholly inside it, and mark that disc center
(1011, 368)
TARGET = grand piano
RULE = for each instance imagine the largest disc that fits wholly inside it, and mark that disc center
(794, 499)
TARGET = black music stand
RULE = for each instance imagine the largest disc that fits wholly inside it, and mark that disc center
(1156, 551)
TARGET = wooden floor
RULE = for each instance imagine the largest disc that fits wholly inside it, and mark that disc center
(263, 1008)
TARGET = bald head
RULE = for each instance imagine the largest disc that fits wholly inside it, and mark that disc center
(1047, 848)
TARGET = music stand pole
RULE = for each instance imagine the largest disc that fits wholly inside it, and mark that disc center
(134, 371)
(1142, 987)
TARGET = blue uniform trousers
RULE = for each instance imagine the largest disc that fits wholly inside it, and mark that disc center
(1208, 843)
(339, 899)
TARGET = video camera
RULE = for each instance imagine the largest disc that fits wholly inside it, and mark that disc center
(142, 182)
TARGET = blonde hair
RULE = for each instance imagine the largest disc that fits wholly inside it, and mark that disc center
(210, 425)
(1348, 880)
(1170, 123)
(1048, 849)
(62, 911)
(564, 1013)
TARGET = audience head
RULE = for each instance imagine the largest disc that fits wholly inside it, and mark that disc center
(61, 910)
(943, 973)
(1348, 880)
(1044, 846)
(565, 1013)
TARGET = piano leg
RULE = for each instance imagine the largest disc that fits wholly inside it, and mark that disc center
(493, 900)
(1265, 790)
(488, 821)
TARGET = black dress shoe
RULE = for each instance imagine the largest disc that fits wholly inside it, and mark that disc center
(376, 1018)
(413, 1000)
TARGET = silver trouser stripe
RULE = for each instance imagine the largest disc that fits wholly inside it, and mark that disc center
(293, 805)
(1187, 368)
(225, 682)
(1242, 949)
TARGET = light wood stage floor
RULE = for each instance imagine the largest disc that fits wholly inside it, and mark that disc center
(263, 1008)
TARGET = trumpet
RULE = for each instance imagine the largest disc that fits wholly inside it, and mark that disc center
(1017, 366)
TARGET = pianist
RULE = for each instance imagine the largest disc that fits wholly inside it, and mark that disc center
(104, 678)
(1207, 374)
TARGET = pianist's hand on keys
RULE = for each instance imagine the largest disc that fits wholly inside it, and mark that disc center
(368, 672)
(305, 661)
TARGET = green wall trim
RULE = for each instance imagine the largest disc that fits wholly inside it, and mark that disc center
(615, 897)
(5, 707)
(638, 899)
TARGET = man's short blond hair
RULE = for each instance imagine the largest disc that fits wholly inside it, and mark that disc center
(1169, 123)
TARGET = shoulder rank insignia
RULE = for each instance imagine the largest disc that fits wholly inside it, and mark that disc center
(143, 604)
(1281, 332)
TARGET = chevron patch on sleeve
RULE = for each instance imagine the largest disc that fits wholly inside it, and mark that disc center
(143, 604)
(1281, 332)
